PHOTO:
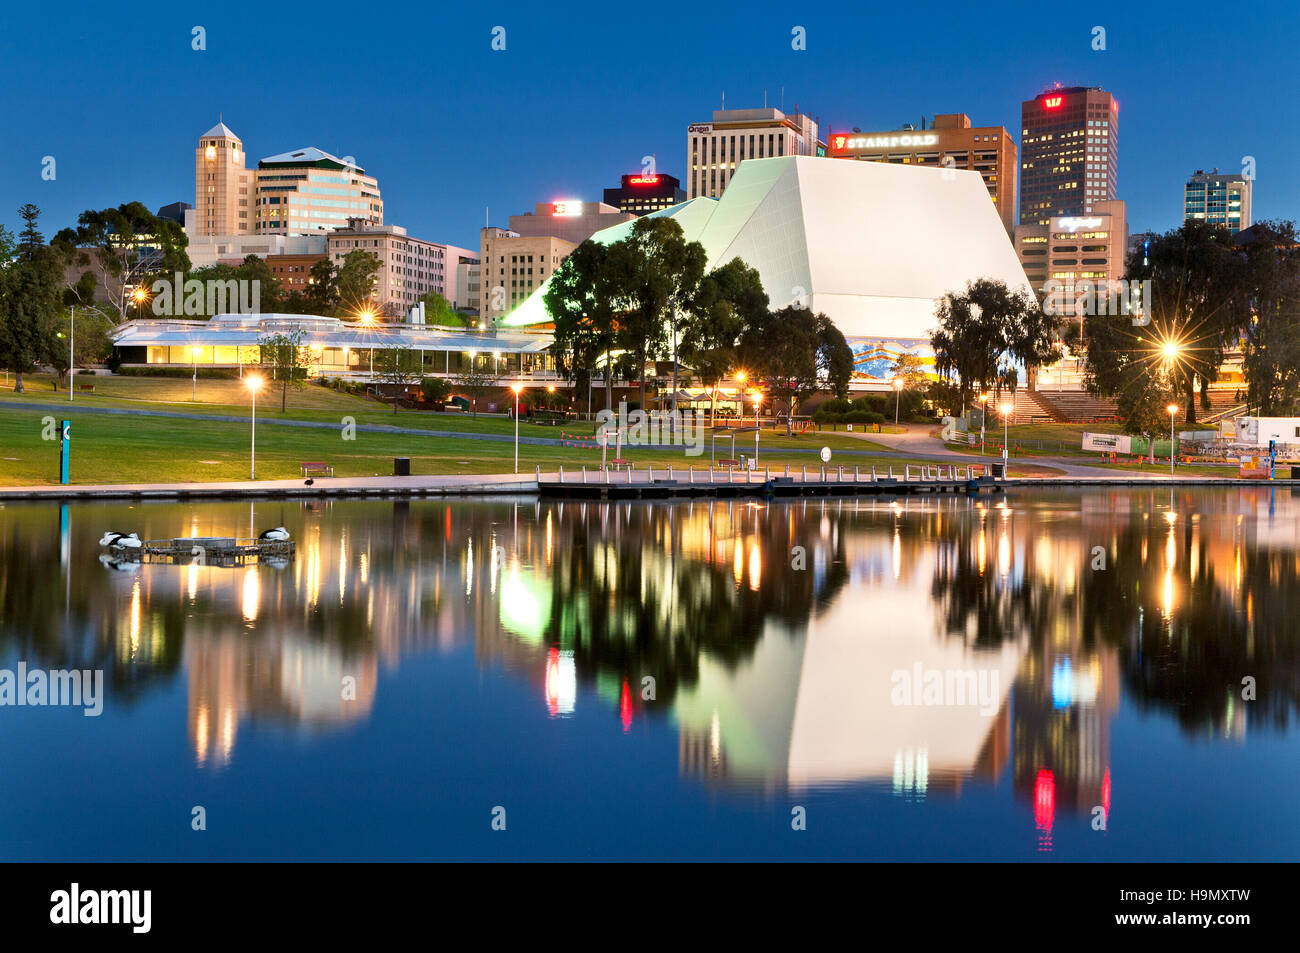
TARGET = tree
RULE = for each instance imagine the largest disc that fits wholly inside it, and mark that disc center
(92, 342)
(399, 366)
(30, 281)
(477, 380)
(978, 329)
(581, 300)
(125, 248)
(1271, 343)
(730, 300)
(1200, 291)
(435, 390)
(286, 358)
(656, 271)
(438, 310)
(354, 284)
(1126, 364)
(797, 353)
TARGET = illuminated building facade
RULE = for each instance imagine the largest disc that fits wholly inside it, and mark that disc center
(1217, 198)
(1070, 249)
(1069, 152)
(641, 194)
(715, 150)
(409, 268)
(949, 142)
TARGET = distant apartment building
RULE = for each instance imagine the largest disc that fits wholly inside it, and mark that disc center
(644, 193)
(512, 266)
(1217, 198)
(1071, 249)
(305, 192)
(293, 271)
(569, 219)
(949, 142)
(409, 268)
(468, 271)
(715, 149)
(231, 249)
(1069, 153)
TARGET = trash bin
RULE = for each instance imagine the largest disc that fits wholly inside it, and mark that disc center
(999, 470)
(401, 466)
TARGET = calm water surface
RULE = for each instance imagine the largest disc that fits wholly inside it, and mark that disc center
(504, 654)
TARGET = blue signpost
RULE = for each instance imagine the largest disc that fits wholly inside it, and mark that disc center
(65, 451)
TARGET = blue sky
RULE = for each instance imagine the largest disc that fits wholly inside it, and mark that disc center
(583, 91)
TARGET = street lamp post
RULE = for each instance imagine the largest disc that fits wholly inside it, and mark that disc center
(984, 410)
(254, 384)
(1006, 417)
(194, 391)
(516, 388)
(1173, 409)
(898, 397)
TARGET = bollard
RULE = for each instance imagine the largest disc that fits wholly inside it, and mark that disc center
(856, 476)
(767, 475)
(840, 477)
(561, 472)
(710, 473)
(584, 473)
(670, 473)
(539, 474)
(787, 471)
(803, 475)
(691, 475)
(629, 474)
(823, 473)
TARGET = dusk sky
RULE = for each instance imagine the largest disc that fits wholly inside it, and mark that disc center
(582, 92)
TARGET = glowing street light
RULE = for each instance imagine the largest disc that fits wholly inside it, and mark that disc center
(898, 397)
(194, 391)
(1173, 409)
(1006, 416)
(516, 388)
(254, 383)
(984, 410)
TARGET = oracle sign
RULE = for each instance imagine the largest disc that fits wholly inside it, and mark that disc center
(906, 140)
(643, 180)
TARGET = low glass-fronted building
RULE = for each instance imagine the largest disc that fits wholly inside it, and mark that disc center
(334, 348)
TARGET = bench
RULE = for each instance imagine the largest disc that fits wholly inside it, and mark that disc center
(316, 469)
(86, 388)
(728, 463)
(619, 462)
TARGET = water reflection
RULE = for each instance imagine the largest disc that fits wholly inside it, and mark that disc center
(768, 638)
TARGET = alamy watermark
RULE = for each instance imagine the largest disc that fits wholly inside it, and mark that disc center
(176, 297)
(79, 688)
(657, 428)
(1104, 296)
(947, 687)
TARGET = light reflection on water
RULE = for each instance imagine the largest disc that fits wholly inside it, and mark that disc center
(766, 644)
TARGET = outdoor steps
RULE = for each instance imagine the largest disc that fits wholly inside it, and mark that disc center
(1029, 409)
(1079, 406)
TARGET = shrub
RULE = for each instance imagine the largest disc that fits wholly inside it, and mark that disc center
(207, 373)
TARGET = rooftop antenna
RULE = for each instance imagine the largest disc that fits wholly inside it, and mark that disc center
(724, 100)
(796, 107)
(764, 98)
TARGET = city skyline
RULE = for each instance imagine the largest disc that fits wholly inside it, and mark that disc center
(458, 118)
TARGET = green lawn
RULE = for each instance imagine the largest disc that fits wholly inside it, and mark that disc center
(122, 449)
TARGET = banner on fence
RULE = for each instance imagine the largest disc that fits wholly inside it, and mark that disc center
(1107, 442)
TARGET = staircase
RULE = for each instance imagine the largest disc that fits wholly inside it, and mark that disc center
(1078, 406)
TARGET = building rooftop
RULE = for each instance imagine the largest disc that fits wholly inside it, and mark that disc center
(218, 131)
(308, 156)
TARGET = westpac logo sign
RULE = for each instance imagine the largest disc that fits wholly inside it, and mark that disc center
(1106, 296)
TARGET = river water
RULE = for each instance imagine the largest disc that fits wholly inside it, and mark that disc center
(1092, 675)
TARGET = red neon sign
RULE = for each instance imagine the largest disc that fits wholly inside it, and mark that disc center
(837, 142)
(643, 180)
(1053, 102)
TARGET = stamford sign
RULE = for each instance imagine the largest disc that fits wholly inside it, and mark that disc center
(910, 139)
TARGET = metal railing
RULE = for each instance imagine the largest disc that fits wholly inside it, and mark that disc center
(911, 473)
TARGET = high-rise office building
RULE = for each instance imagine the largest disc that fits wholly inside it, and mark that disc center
(643, 193)
(512, 266)
(1069, 153)
(1218, 198)
(223, 185)
(305, 192)
(949, 142)
(714, 149)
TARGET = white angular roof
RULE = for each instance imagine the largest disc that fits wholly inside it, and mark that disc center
(310, 154)
(871, 244)
(218, 131)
